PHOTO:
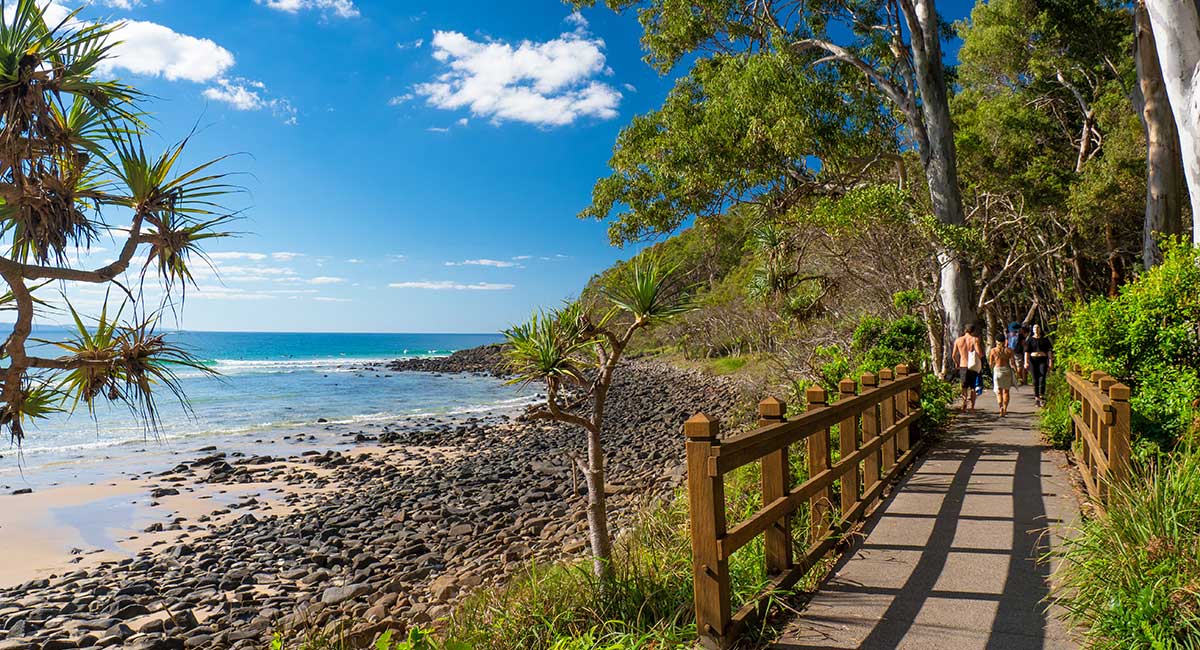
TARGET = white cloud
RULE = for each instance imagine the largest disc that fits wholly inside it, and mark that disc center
(552, 83)
(326, 280)
(400, 100)
(122, 4)
(523, 257)
(340, 8)
(484, 262)
(577, 19)
(354, 260)
(238, 255)
(242, 94)
(438, 129)
(330, 299)
(247, 95)
(411, 45)
(217, 292)
(285, 256)
(155, 50)
(447, 285)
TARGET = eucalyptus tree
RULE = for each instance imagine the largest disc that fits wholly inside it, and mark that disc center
(74, 172)
(574, 352)
(1176, 25)
(894, 45)
(1164, 163)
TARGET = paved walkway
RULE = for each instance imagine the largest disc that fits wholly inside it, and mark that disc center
(951, 561)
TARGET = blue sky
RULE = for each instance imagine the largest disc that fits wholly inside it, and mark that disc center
(409, 166)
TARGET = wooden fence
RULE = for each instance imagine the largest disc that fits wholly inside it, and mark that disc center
(875, 444)
(1101, 431)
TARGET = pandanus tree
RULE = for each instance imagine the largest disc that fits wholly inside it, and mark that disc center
(574, 352)
(74, 172)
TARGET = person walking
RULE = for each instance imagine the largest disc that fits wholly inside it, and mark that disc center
(1016, 343)
(968, 358)
(1001, 359)
(1039, 357)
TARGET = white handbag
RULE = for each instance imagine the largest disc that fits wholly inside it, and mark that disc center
(973, 362)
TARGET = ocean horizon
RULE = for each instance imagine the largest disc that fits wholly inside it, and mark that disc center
(267, 384)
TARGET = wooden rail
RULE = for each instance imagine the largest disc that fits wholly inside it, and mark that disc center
(1101, 431)
(874, 443)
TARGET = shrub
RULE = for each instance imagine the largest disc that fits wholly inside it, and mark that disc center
(1149, 338)
(1055, 419)
(1131, 578)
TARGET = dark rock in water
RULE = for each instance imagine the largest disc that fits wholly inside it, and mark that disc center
(487, 359)
(23, 491)
(158, 493)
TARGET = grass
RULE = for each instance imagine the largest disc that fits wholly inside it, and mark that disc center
(727, 365)
(1055, 419)
(1131, 578)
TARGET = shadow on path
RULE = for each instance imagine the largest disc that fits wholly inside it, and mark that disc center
(952, 559)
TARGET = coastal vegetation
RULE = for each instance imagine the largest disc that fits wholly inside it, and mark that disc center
(791, 249)
(574, 351)
(74, 168)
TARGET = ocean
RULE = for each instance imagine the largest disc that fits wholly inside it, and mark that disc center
(269, 384)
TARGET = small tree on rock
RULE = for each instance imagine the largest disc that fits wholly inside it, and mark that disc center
(575, 356)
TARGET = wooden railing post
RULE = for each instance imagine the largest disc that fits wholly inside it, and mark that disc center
(706, 499)
(776, 482)
(848, 444)
(1119, 434)
(903, 408)
(818, 461)
(870, 427)
(887, 417)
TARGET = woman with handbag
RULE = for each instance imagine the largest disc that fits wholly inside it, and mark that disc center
(968, 357)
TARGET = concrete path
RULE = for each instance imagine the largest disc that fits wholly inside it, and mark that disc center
(950, 561)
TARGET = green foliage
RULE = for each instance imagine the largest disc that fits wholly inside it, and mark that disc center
(75, 161)
(881, 343)
(1131, 578)
(737, 127)
(551, 346)
(1149, 338)
(1055, 419)
(647, 604)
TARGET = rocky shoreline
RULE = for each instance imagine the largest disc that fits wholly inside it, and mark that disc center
(485, 360)
(387, 535)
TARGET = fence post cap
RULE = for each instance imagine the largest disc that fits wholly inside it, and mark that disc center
(814, 395)
(885, 374)
(1096, 376)
(902, 370)
(847, 386)
(1119, 392)
(701, 427)
(869, 379)
(771, 408)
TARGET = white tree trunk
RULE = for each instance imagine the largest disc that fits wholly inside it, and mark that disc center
(1164, 167)
(941, 167)
(1176, 25)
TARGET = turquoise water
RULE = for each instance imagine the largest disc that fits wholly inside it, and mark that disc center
(269, 385)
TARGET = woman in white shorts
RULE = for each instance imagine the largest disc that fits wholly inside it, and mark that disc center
(1003, 376)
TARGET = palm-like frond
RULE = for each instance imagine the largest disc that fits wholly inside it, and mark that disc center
(154, 186)
(552, 346)
(123, 363)
(36, 403)
(174, 244)
(648, 290)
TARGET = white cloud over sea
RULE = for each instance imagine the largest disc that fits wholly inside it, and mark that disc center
(449, 285)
